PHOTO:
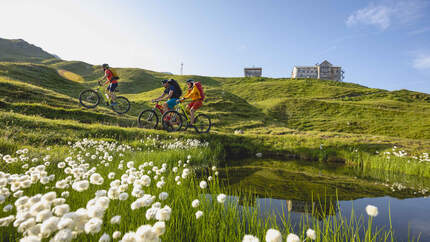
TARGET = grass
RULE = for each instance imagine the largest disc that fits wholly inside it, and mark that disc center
(219, 222)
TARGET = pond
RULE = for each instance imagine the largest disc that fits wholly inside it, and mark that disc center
(294, 187)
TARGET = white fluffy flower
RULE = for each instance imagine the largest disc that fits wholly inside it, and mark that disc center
(104, 238)
(159, 228)
(221, 198)
(129, 237)
(310, 233)
(81, 186)
(199, 214)
(372, 210)
(203, 184)
(116, 235)
(250, 238)
(293, 238)
(115, 219)
(123, 196)
(163, 196)
(195, 203)
(93, 226)
(111, 175)
(163, 214)
(96, 179)
(63, 235)
(7, 208)
(273, 235)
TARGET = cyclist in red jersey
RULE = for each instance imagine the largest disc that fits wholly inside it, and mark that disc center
(112, 80)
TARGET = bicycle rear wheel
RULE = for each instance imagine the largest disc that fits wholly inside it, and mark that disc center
(122, 105)
(89, 98)
(202, 123)
(172, 121)
(148, 119)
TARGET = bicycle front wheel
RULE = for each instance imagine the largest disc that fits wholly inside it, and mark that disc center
(202, 123)
(172, 121)
(148, 119)
(122, 105)
(89, 98)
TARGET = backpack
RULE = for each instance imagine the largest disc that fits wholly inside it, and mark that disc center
(114, 73)
(199, 86)
(178, 91)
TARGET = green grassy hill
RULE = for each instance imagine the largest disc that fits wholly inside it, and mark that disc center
(18, 50)
(50, 88)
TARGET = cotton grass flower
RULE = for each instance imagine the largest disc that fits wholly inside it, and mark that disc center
(96, 179)
(273, 235)
(199, 214)
(123, 196)
(195, 203)
(115, 219)
(293, 238)
(7, 208)
(310, 233)
(163, 214)
(93, 226)
(203, 184)
(221, 198)
(250, 238)
(116, 235)
(372, 211)
(163, 196)
(104, 238)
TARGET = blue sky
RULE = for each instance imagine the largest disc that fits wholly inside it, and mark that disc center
(383, 44)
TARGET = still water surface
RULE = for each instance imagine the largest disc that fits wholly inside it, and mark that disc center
(291, 187)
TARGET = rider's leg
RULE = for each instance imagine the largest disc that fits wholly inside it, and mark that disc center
(192, 111)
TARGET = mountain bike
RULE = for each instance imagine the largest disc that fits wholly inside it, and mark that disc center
(91, 98)
(171, 119)
(148, 119)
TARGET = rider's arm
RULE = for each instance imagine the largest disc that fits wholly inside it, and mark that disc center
(104, 77)
(160, 97)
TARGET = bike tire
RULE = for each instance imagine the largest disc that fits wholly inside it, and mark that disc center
(146, 119)
(89, 98)
(202, 123)
(167, 123)
(122, 106)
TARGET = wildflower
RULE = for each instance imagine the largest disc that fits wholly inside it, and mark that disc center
(372, 210)
(104, 238)
(195, 203)
(7, 208)
(203, 184)
(61, 210)
(81, 186)
(63, 235)
(273, 235)
(163, 214)
(213, 168)
(115, 219)
(210, 178)
(93, 226)
(123, 196)
(221, 198)
(250, 238)
(293, 238)
(163, 196)
(159, 228)
(96, 179)
(259, 155)
(199, 214)
(129, 237)
(116, 235)
(216, 173)
(111, 175)
(175, 169)
(310, 233)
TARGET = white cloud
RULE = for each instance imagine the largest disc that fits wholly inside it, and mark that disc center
(385, 14)
(421, 62)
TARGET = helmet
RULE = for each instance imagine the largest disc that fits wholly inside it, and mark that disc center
(171, 80)
(190, 80)
(105, 66)
(164, 81)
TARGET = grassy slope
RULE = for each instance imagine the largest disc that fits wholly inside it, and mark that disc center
(20, 50)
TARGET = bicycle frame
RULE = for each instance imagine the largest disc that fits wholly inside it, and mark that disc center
(102, 91)
(184, 111)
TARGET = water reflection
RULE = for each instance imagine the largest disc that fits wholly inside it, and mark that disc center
(293, 190)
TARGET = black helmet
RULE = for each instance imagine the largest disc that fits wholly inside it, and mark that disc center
(164, 81)
(105, 66)
(190, 80)
(171, 80)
